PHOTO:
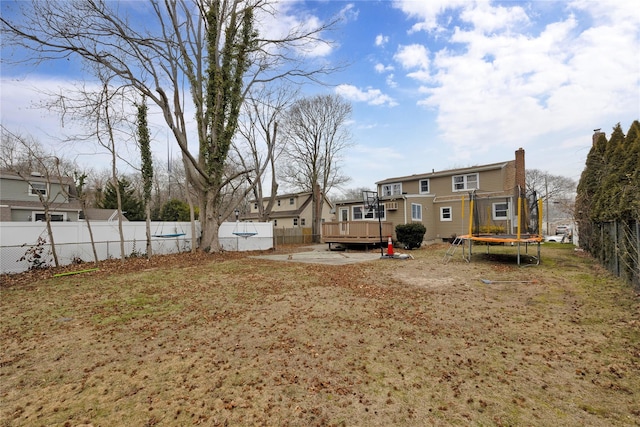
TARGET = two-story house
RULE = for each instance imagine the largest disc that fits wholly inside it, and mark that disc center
(290, 210)
(21, 197)
(438, 199)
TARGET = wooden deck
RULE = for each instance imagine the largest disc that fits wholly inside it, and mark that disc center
(355, 232)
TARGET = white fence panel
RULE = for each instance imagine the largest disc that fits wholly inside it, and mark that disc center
(73, 242)
(246, 236)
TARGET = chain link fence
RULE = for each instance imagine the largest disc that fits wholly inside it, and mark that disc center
(618, 249)
(19, 258)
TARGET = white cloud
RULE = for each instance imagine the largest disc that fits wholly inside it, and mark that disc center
(349, 13)
(486, 18)
(370, 96)
(391, 81)
(381, 40)
(381, 68)
(285, 18)
(414, 57)
(511, 89)
(428, 11)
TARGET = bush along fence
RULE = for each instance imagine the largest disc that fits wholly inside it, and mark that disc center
(617, 247)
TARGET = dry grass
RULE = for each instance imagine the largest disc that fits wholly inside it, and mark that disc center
(230, 340)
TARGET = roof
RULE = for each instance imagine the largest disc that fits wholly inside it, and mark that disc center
(290, 195)
(35, 177)
(450, 172)
(71, 206)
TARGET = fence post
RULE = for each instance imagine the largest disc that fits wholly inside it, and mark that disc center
(616, 249)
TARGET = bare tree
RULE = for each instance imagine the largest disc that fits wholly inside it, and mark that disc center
(27, 159)
(211, 50)
(258, 130)
(351, 194)
(317, 134)
(557, 192)
(80, 179)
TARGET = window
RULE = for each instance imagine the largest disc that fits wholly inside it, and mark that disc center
(255, 206)
(392, 189)
(291, 200)
(295, 222)
(445, 214)
(357, 213)
(416, 212)
(501, 211)
(371, 213)
(36, 188)
(303, 221)
(278, 202)
(424, 186)
(275, 222)
(55, 217)
(465, 182)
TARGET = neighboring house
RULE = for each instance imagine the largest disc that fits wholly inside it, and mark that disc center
(290, 210)
(19, 199)
(439, 200)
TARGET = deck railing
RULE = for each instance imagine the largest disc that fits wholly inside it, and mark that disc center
(355, 231)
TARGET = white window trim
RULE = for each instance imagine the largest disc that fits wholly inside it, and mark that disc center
(34, 213)
(465, 182)
(365, 212)
(35, 194)
(442, 218)
(428, 186)
(395, 189)
(419, 207)
(493, 211)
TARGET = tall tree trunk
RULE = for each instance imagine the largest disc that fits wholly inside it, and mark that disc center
(47, 217)
(147, 212)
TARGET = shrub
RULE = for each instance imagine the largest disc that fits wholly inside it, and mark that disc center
(410, 235)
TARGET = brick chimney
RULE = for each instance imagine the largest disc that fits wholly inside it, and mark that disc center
(596, 135)
(520, 170)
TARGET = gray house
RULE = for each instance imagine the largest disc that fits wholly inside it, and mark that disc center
(22, 196)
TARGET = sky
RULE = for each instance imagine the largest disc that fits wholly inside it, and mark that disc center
(435, 85)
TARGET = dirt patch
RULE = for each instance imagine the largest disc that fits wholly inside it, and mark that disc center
(228, 339)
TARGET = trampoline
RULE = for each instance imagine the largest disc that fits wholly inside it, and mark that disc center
(490, 218)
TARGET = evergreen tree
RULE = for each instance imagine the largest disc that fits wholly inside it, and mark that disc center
(629, 200)
(610, 189)
(175, 210)
(131, 205)
(587, 191)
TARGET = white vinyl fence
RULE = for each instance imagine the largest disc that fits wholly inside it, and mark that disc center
(29, 240)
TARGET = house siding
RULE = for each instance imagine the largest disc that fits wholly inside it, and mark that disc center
(18, 204)
(287, 212)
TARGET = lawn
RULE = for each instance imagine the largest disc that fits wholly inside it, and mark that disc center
(231, 340)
